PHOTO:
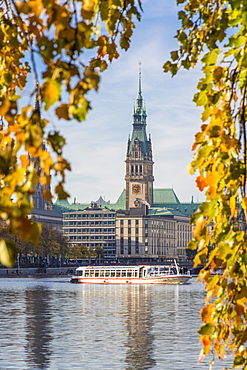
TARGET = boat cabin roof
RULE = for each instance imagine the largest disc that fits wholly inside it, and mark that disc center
(119, 267)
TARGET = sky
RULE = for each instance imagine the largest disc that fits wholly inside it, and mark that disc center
(96, 148)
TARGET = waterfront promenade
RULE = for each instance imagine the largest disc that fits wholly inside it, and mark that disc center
(36, 271)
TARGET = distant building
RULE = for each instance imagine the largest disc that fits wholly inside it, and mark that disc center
(152, 233)
(49, 217)
(144, 223)
(92, 227)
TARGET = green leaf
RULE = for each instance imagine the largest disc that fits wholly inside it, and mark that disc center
(211, 58)
(206, 329)
(174, 55)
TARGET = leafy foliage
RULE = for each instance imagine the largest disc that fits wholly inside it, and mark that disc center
(51, 243)
(60, 47)
(82, 251)
(215, 33)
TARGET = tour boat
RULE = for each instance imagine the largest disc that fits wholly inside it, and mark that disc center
(130, 275)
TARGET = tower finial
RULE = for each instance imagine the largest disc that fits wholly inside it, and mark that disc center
(140, 72)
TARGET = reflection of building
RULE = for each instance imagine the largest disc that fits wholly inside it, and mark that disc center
(150, 223)
(94, 226)
(140, 339)
(38, 327)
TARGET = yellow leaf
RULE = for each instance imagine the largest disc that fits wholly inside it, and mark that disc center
(233, 206)
(4, 107)
(62, 111)
(24, 160)
(88, 5)
(8, 252)
(50, 92)
(244, 203)
(47, 194)
(206, 313)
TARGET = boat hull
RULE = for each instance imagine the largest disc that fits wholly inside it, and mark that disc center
(169, 279)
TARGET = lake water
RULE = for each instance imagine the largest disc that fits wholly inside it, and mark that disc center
(49, 323)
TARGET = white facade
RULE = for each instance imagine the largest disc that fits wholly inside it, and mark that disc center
(91, 227)
(152, 237)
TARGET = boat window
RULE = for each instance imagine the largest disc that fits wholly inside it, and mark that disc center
(129, 273)
(107, 273)
(113, 273)
(91, 273)
(156, 271)
(135, 273)
(86, 273)
(79, 273)
(96, 273)
(118, 273)
(102, 272)
(164, 270)
(123, 273)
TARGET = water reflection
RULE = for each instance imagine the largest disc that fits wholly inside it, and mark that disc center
(38, 327)
(139, 327)
(54, 325)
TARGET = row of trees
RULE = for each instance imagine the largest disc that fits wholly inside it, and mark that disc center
(51, 248)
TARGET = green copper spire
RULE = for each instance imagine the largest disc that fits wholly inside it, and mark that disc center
(139, 114)
(139, 122)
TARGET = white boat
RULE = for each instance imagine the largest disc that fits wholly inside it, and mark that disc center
(130, 275)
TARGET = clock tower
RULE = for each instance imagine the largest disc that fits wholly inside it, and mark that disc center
(139, 159)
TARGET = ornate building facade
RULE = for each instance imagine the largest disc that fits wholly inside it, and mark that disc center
(145, 223)
(139, 160)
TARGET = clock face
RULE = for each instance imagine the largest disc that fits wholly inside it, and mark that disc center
(136, 189)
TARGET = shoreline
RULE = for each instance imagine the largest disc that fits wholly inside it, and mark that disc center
(36, 272)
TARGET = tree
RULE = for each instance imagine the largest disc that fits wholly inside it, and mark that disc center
(99, 251)
(57, 49)
(215, 33)
(51, 244)
(78, 251)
